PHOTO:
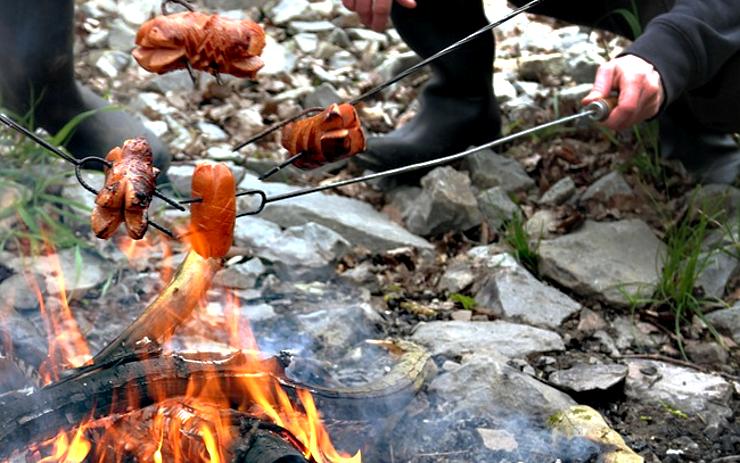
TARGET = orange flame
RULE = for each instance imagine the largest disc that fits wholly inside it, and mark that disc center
(65, 451)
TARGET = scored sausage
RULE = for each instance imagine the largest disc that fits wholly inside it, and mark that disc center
(212, 219)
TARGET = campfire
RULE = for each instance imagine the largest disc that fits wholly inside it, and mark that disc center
(135, 401)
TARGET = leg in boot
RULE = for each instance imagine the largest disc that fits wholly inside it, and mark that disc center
(458, 108)
(36, 43)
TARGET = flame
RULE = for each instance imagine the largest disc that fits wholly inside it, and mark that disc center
(138, 252)
(67, 346)
(66, 451)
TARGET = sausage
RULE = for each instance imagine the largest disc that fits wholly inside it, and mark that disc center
(329, 136)
(128, 190)
(206, 42)
(212, 219)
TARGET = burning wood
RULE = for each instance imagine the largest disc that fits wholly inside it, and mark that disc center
(200, 41)
(129, 187)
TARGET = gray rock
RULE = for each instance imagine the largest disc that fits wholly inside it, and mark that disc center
(496, 207)
(337, 328)
(723, 197)
(361, 33)
(630, 333)
(211, 132)
(589, 378)
(135, 12)
(503, 88)
(684, 389)
(355, 220)
(121, 37)
(720, 268)
(537, 67)
(605, 259)
(590, 321)
(150, 102)
(395, 63)
(307, 42)
(112, 62)
(83, 199)
(278, 58)
(258, 312)
(174, 81)
(305, 251)
(288, 10)
(324, 95)
(255, 232)
(607, 187)
(241, 276)
(542, 225)
(311, 26)
(404, 198)
(12, 195)
(706, 353)
(485, 387)
(498, 440)
(181, 177)
(458, 276)
(559, 193)
(452, 339)
(223, 5)
(727, 320)
(16, 292)
(488, 169)
(510, 289)
(445, 204)
(574, 95)
(582, 62)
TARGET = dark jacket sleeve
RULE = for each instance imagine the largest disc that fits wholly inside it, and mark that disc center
(689, 44)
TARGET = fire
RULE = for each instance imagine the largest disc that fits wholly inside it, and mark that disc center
(67, 346)
(65, 451)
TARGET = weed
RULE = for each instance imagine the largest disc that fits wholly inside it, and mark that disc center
(517, 237)
(467, 302)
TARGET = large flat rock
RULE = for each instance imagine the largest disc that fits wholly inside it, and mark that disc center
(456, 338)
(355, 220)
(605, 260)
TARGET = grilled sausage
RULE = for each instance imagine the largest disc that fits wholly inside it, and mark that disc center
(212, 219)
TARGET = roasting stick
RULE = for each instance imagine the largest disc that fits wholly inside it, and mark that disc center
(596, 111)
(80, 163)
(375, 90)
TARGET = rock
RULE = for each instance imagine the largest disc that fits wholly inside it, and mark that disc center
(223, 5)
(324, 95)
(181, 177)
(445, 204)
(361, 33)
(721, 197)
(604, 259)
(258, 312)
(211, 132)
(174, 81)
(112, 62)
(582, 62)
(461, 315)
(453, 339)
(719, 269)
(135, 12)
(121, 37)
(306, 42)
(488, 169)
(503, 88)
(539, 67)
(17, 293)
(355, 220)
(510, 289)
(311, 26)
(288, 10)
(607, 187)
(686, 390)
(12, 195)
(559, 193)
(584, 421)
(485, 387)
(573, 95)
(84, 200)
(396, 63)
(590, 321)
(542, 225)
(727, 320)
(458, 276)
(337, 328)
(589, 378)
(254, 232)
(403, 199)
(632, 334)
(240, 276)
(498, 440)
(304, 251)
(496, 207)
(278, 59)
(706, 353)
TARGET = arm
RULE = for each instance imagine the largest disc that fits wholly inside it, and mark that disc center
(679, 51)
(375, 13)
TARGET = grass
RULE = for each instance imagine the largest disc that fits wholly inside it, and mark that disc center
(40, 213)
(516, 236)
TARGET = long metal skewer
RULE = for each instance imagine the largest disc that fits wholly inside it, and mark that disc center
(396, 78)
(80, 163)
(596, 111)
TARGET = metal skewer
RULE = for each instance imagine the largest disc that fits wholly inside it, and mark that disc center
(387, 83)
(80, 163)
(596, 111)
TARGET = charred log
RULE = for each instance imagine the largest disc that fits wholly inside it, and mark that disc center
(266, 447)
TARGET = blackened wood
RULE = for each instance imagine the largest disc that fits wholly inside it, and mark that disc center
(266, 447)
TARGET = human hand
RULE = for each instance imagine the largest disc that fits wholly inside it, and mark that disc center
(375, 13)
(640, 90)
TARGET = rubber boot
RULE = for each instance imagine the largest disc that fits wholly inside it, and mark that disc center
(36, 45)
(458, 107)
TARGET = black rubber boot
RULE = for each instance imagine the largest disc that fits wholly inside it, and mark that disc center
(458, 107)
(36, 45)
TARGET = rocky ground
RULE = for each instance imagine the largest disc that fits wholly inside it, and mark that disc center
(516, 338)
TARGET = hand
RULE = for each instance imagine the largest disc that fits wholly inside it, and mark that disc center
(375, 13)
(640, 90)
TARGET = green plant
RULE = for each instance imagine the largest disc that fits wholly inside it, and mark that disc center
(467, 302)
(517, 237)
